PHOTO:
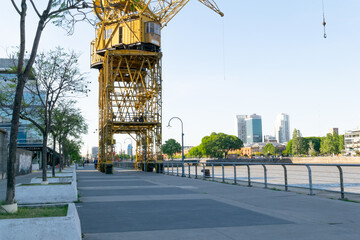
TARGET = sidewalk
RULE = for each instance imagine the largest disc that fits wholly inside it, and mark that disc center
(138, 205)
(19, 179)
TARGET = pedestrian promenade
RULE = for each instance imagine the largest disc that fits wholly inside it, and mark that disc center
(137, 205)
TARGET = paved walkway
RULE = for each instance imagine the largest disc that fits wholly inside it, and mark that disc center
(19, 179)
(136, 205)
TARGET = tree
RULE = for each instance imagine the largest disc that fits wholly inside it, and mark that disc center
(56, 76)
(56, 11)
(196, 152)
(171, 147)
(298, 143)
(67, 122)
(289, 148)
(269, 149)
(312, 151)
(219, 144)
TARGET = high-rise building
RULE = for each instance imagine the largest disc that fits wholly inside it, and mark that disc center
(334, 130)
(282, 128)
(241, 127)
(253, 129)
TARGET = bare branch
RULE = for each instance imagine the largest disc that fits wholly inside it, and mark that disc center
(37, 12)
(16, 8)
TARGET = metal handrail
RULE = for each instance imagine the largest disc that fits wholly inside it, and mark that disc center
(169, 165)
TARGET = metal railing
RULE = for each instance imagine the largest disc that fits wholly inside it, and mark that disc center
(323, 177)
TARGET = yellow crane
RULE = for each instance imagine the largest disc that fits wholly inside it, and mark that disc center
(127, 52)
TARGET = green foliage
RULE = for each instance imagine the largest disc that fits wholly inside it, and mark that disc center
(332, 144)
(196, 152)
(312, 150)
(289, 148)
(269, 149)
(171, 147)
(218, 145)
(72, 148)
(299, 145)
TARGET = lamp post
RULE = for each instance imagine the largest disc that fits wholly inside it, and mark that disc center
(130, 145)
(182, 144)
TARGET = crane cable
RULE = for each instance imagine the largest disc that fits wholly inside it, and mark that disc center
(324, 22)
(223, 48)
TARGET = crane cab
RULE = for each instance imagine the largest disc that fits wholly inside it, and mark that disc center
(141, 33)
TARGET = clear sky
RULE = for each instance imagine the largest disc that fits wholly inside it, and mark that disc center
(265, 57)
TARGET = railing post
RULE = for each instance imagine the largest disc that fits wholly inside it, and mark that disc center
(265, 175)
(189, 170)
(341, 182)
(249, 176)
(177, 169)
(168, 168)
(196, 170)
(234, 173)
(213, 173)
(285, 177)
(203, 170)
(172, 168)
(310, 180)
(223, 172)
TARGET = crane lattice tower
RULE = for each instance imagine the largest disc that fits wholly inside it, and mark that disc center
(128, 55)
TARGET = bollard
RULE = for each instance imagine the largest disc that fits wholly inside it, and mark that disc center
(196, 170)
(265, 175)
(189, 170)
(341, 182)
(223, 172)
(285, 177)
(249, 176)
(310, 180)
(213, 174)
(234, 173)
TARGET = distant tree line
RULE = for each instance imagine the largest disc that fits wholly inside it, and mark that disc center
(314, 146)
(217, 145)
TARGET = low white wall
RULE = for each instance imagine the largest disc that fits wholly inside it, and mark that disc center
(55, 228)
(62, 193)
(67, 179)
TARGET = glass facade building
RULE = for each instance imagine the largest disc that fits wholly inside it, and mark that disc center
(253, 129)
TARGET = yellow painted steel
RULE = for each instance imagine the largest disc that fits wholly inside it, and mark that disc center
(127, 53)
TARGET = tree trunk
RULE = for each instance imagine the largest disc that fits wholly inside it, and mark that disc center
(11, 171)
(53, 158)
(60, 159)
(44, 156)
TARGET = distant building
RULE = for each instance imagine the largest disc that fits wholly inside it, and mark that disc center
(253, 129)
(282, 128)
(241, 127)
(254, 148)
(129, 150)
(270, 139)
(27, 135)
(249, 128)
(94, 152)
(334, 130)
(352, 142)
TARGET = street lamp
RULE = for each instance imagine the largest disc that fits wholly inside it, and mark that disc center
(182, 144)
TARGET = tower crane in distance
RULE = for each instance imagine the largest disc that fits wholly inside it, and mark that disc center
(127, 53)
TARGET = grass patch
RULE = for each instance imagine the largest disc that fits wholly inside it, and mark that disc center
(35, 212)
(348, 200)
(275, 189)
(39, 184)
